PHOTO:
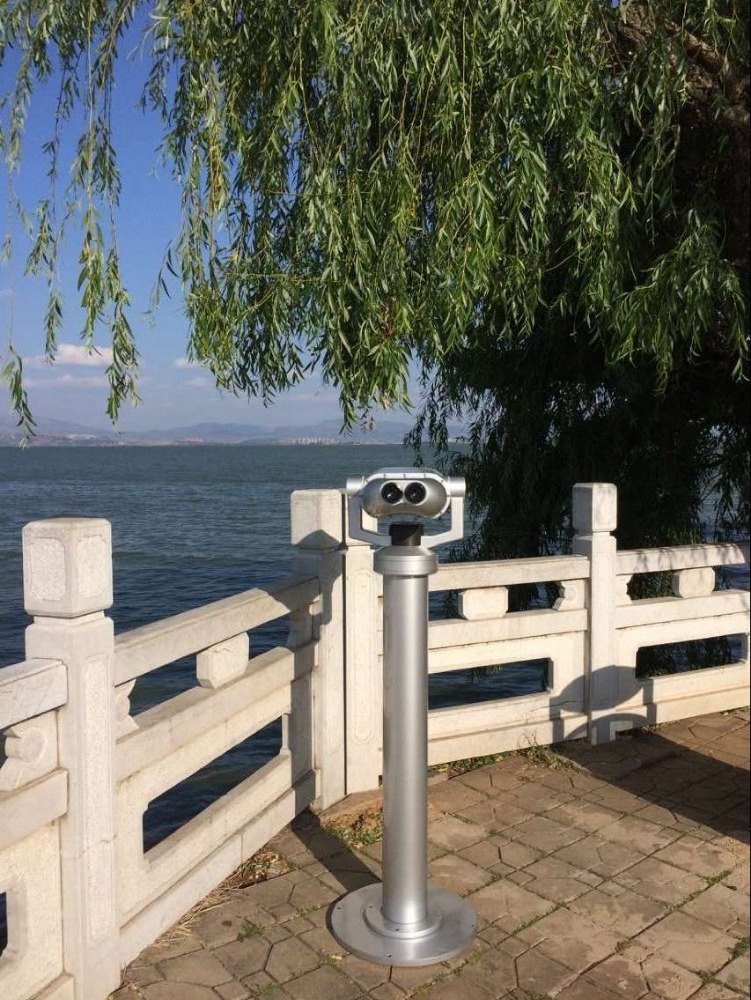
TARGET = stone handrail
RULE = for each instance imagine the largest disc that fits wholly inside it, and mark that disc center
(506, 572)
(31, 688)
(658, 560)
(143, 649)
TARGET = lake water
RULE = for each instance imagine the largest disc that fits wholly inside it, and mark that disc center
(191, 525)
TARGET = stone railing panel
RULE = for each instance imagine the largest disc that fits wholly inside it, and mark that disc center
(496, 726)
(178, 897)
(178, 723)
(30, 878)
(145, 877)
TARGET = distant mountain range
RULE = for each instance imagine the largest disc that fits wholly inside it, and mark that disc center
(63, 433)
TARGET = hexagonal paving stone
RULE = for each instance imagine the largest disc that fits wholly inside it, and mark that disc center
(626, 914)
(199, 967)
(544, 834)
(572, 939)
(698, 857)
(289, 959)
(688, 942)
(243, 958)
(508, 904)
(536, 973)
(323, 983)
(619, 974)
(723, 908)
(453, 833)
(660, 881)
(457, 875)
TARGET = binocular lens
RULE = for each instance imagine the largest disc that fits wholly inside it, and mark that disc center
(415, 493)
(391, 493)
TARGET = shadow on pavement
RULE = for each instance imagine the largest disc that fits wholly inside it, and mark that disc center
(347, 867)
(695, 784)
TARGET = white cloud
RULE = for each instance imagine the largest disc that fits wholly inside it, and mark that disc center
(186, 363)
(74, 355)
(199, 383)
(77, 354)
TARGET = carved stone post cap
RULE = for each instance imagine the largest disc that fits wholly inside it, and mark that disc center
(595, 507)
(67, 566)
(317, 519)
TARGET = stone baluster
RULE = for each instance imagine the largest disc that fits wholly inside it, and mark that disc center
(483, 602)
(595, 507)
(67, 565)
(317, 523)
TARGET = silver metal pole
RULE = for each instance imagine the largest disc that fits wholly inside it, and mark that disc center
(405, 749)
(404, 921)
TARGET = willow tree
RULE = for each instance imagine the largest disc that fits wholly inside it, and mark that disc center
(627, 362)
(371, 183)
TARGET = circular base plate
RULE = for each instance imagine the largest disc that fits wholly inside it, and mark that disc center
(450, 929)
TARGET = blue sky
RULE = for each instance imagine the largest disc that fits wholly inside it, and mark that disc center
(172, 392)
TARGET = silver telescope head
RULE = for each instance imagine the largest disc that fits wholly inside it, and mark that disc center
(422, 493)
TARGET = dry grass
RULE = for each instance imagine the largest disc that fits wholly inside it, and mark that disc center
(359, 830)
(263, 865)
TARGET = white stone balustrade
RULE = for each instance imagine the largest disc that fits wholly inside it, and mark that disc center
(79, 770)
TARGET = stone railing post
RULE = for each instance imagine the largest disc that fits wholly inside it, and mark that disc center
(595, 513)
(67, 566)
(317, 521)
(364, 665)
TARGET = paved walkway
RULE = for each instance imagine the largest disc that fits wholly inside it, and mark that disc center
(620, 871)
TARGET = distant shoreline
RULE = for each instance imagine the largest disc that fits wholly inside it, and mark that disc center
(41, 441)
(54, 433)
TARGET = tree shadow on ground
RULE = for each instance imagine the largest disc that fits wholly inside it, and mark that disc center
(348, 868)
(700, 784)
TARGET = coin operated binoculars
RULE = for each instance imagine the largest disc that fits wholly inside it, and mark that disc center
(404, 921)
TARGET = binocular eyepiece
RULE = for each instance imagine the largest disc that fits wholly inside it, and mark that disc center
(414, 493)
